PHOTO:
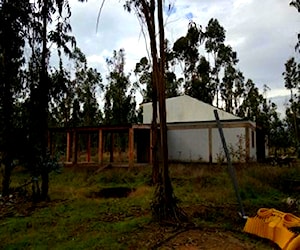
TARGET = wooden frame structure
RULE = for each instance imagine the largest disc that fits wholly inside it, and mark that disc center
(137, 146)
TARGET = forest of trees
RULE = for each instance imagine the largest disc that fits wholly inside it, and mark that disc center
(36, 95)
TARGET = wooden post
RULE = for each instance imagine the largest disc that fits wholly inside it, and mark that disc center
(88, 148)
(74, 147)
(151, 146)
(247, 144)
(100, 147)
(210, 144)
(68, 147)
(111, 155)
(130, 147)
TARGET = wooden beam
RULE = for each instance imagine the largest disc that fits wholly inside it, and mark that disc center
(141, 126)
(199, 125)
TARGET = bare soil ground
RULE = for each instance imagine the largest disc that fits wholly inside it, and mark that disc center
(192, 237)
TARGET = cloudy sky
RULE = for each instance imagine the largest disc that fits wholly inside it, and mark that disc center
(263, 32)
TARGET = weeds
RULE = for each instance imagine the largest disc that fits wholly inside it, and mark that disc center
(74, 219)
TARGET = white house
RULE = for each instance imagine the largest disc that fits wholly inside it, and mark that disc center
(193, 134)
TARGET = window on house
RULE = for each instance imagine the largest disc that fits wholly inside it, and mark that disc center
(253, 139)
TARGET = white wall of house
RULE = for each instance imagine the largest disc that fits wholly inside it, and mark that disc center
(235, 141)
(193, 135)
(193, 145)
(188, 145)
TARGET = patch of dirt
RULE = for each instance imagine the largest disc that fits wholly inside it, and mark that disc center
(113, 192)
(212, 239)
(154, 237)
(192, 237)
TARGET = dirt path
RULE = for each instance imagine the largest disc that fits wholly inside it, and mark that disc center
(218, 240)
(162, 238)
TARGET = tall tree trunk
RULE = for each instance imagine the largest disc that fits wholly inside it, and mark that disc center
(154, 135)
(164, 205)
(7, 107)
(148, 11)
(44, 88)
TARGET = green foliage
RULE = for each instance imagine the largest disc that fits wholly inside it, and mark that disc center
(296, 4)
(120, 104)
(143, 72)
(73, 101)
(292, 83)
(144, 83)
(14, 16)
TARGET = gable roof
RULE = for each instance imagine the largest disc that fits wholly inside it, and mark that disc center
(187, 109)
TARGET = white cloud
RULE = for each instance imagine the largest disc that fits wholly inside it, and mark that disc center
(262, 32)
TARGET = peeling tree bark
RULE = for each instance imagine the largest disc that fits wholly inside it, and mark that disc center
(164, 205)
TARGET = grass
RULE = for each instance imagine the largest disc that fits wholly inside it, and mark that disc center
(74, 219)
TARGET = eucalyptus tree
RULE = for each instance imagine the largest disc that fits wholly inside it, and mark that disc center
(202, 74)
(164, 205)
(41, 36)
(73, 100)
(87, 83)
(61, 98)
(14, 16)
(200, 86)
(292, 83)
(256, 107)
(296, 4)
(252, 101)
(119, 98)
(172, 82)
(226, 88)
(279, 136)
(291, 76)
(186, 50)
(228, 59)
(214, 41)
(144, 79)
(196, 69)
(239, 81)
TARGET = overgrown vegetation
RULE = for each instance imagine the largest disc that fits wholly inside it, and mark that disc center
(77, 218)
